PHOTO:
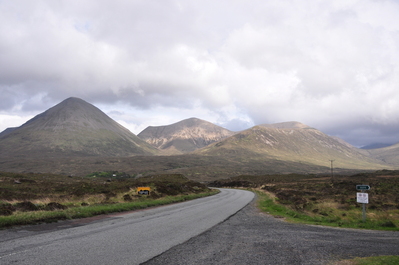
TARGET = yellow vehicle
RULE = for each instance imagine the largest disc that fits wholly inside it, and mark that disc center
(143, 190)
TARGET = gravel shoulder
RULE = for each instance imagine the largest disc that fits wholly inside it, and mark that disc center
(252, 237)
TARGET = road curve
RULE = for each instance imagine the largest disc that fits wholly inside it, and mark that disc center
(121, 238)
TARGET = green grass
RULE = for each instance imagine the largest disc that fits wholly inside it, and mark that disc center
(26, 218)
(334, 217)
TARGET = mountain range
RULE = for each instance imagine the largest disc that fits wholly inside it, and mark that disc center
(79, 131)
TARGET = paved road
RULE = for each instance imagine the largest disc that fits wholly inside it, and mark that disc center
(119, 239)
(251, 237)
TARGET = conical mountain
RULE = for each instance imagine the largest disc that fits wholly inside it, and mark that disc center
(293, 142)
(73, 128)
(184, 136)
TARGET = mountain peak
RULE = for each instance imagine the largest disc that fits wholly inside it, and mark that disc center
(184, 136)
(68, 115)
(287, 125)
(74, 126)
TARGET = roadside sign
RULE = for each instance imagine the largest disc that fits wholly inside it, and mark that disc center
(362, 197)
(362, 187)
(143, 190)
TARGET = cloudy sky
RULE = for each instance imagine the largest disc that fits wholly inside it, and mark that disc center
(333, 65)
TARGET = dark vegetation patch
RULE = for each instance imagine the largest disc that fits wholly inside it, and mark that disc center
(26, 206)
(53, 206)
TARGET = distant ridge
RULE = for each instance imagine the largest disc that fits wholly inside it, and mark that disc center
(184, 136)
(375, 146)
(388, 154)
(73, 128)
(287, 125)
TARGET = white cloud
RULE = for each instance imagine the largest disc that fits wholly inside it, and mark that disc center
(10, 121)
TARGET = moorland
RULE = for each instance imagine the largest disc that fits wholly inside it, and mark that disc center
(322, 199)
(33, 198)
(326, 199)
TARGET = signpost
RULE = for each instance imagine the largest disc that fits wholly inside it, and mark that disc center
(362, 187)
(363, 197)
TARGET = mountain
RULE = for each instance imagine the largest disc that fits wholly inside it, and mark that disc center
(7, 131)
(287, 125)
(293, 142)
(184, 136)
(389, 154)
(72, 128)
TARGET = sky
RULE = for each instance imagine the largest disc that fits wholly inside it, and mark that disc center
(333, 65)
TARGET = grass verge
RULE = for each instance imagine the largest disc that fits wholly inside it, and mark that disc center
(351, 220)
(27, 218)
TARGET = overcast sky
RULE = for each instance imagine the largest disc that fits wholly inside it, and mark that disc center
(333, 65)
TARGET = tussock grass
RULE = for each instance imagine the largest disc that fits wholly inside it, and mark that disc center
(329, 215)
(320, 199)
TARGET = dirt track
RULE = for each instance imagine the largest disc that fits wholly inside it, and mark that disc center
(251, 237)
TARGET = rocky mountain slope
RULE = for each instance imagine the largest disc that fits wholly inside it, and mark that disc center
(72, 128)
(184, 136)
(293, 142)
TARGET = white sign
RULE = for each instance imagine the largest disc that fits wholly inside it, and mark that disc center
(362, 197)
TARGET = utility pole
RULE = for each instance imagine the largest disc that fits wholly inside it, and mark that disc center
(332, 169)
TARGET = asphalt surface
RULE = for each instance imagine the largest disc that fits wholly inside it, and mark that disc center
(121, 238)
(251, 237)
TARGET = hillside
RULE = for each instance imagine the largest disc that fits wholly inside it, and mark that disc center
(294, 142)
(7, 131)
(184, 136)
(389, 154)
(72, 128)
